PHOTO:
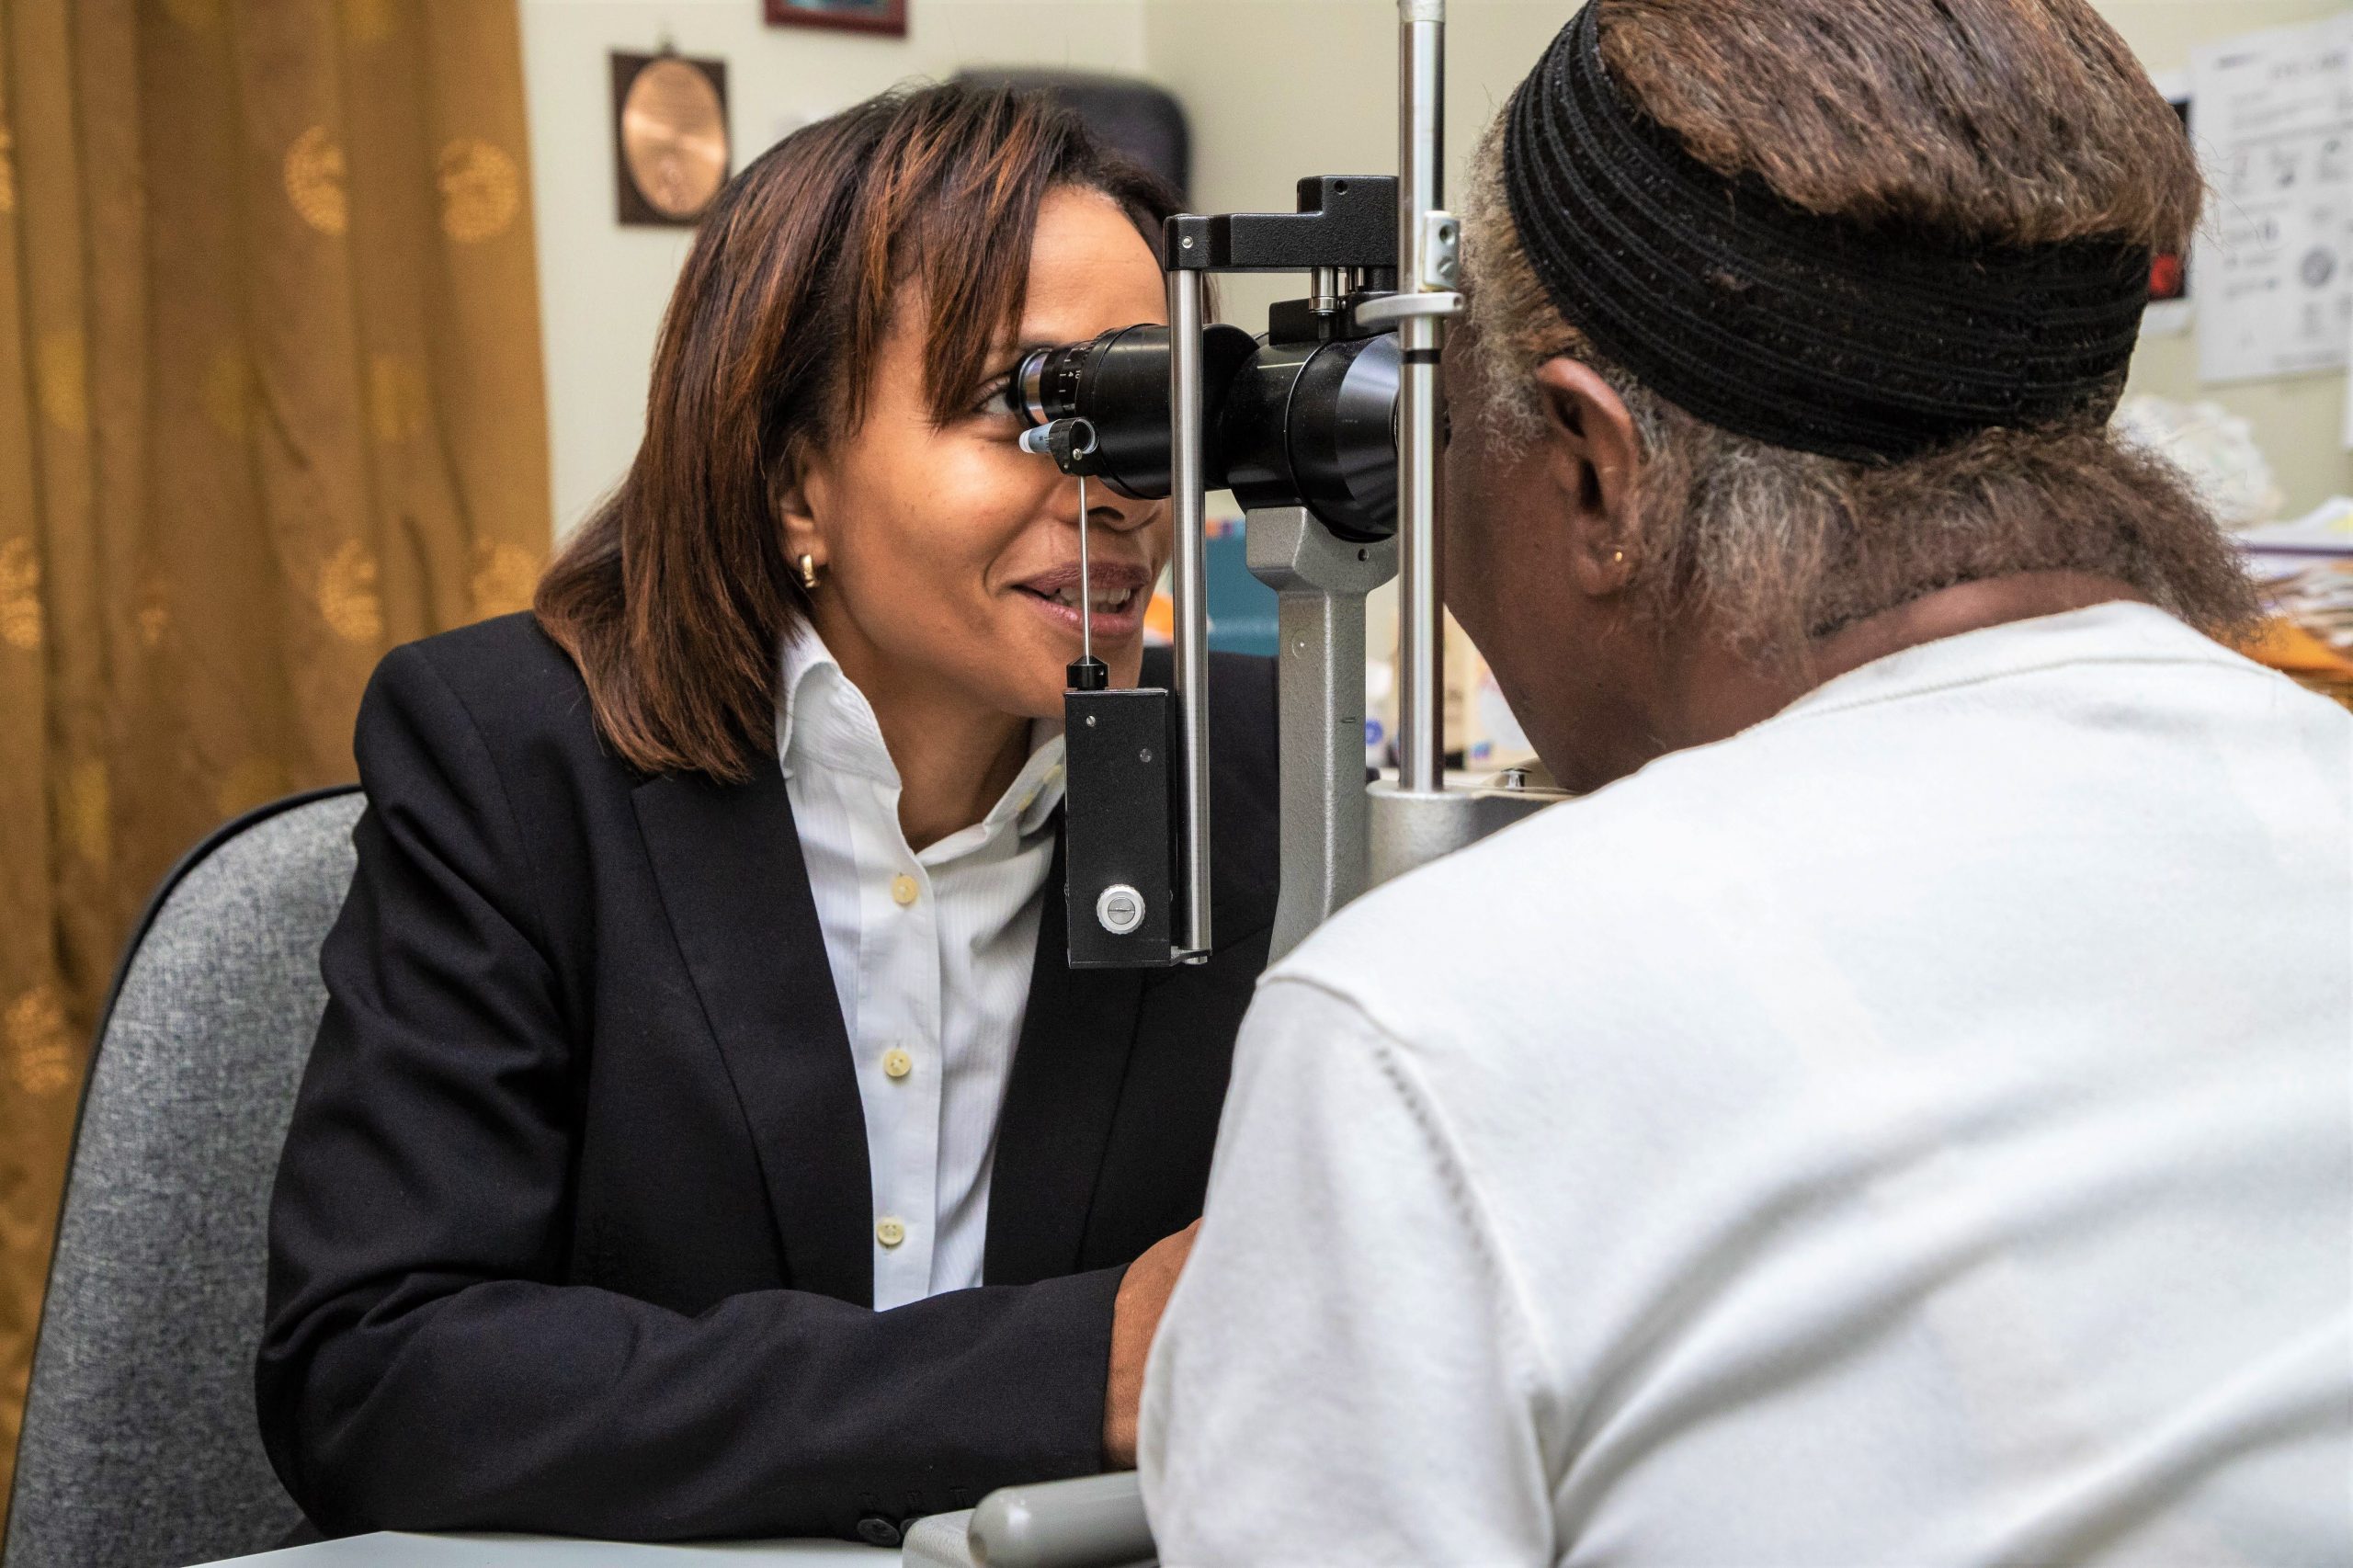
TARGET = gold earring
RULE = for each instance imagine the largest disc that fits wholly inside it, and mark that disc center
(1617, 556)
(809, 573)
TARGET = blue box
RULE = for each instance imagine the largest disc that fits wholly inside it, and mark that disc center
(1243, 610)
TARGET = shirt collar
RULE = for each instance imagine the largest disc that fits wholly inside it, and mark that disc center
(822, 720)
(1035, 791)
(2118, 630)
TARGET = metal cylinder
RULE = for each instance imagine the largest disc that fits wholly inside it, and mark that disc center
(1189, 575)
(1323, 291)
(1421, 107)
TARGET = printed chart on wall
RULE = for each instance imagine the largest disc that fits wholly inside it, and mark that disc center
(2274, 124)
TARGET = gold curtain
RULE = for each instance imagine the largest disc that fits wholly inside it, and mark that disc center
(271, 402)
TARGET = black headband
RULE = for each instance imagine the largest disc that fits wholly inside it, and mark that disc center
(1799, 330)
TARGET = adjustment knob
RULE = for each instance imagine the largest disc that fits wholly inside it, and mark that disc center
(1120, 910)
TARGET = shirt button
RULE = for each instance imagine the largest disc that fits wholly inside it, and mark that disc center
(897, 1063)
(890, 1232)
(904, 889)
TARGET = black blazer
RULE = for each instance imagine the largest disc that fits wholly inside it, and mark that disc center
(571, 1232)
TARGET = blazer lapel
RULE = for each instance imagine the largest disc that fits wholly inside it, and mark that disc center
(1067, 1070)
(727, 858)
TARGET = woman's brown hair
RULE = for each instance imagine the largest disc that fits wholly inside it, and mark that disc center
(674, 596)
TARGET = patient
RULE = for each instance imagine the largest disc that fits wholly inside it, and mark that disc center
(1900, 1116)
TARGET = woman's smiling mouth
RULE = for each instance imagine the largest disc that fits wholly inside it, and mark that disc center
(1117, 596)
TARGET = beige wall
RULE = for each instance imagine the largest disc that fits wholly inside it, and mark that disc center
(1275, 89)
(1279, 88)
(603, 287)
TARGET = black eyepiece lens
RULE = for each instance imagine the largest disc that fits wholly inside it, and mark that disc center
(1045, 386)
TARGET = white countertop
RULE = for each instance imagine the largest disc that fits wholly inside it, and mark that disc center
(393, 1549)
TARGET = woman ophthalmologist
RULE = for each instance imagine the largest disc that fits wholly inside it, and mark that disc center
(705, 1135)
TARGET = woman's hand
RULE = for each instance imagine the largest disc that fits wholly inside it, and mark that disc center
(1135, 1313)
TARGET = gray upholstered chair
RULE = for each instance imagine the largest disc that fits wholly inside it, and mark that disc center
(140, 1446)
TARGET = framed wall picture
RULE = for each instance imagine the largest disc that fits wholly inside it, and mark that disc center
(853, 15)
(670, 150)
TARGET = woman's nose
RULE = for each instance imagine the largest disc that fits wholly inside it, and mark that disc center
(1107, 509)
(1124, 519)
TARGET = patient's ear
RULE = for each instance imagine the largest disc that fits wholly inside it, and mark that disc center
(1593, 457)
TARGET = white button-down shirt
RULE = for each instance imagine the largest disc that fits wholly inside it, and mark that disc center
(931, 953)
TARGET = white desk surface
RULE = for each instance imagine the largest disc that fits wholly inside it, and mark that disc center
(393, 1549)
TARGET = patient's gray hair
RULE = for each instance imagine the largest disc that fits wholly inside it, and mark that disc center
(1775, 546)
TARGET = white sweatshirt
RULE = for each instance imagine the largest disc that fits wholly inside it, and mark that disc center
(1917, 1131)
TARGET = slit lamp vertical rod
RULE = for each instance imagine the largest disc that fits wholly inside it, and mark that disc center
(1421, 107)
(1191, 692)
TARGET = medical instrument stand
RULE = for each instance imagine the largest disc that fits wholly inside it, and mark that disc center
(1338, 837)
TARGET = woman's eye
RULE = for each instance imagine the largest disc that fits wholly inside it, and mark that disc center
(995, 399)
